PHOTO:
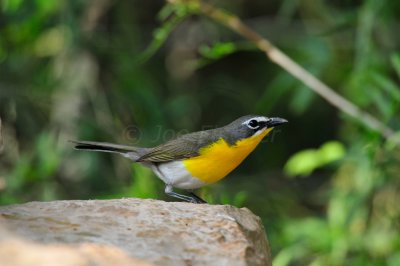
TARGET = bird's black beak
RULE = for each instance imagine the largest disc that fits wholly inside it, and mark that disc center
(276, 121)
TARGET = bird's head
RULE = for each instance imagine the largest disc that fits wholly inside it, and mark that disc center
(252, 125)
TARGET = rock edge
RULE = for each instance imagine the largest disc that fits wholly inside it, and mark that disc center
(137, 231)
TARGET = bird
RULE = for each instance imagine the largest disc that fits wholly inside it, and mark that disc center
(196, 159)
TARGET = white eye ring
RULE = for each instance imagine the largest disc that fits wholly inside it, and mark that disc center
(253, 124)
(258, 119)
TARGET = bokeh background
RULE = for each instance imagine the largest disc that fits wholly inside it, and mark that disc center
(134, 72)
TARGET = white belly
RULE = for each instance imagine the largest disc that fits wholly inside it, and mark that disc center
(176, 175)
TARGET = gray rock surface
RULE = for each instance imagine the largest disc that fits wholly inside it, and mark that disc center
(136, 231)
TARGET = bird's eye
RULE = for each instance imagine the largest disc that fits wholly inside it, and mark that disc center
(253, 124)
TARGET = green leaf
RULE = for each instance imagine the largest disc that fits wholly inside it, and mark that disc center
(302, 163)
(305, 162)
(160, 35)
(11, 5)
(218, 50)
(387, 85)
(166, 11)
(331, 151)
(395, 59)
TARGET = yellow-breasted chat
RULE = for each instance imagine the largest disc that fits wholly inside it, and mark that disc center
(197, 159)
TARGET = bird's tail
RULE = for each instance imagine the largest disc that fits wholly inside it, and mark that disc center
(127, 151)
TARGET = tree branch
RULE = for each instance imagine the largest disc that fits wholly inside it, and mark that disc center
(284, 61)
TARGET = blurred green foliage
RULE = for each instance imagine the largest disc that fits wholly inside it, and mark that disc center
(141, 72)
(306, 161)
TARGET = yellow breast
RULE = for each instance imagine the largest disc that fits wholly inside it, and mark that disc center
(219, 159)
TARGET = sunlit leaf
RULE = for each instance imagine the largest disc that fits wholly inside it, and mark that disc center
(331, 151)
(305, 162)
(218, 50)
(302, 163)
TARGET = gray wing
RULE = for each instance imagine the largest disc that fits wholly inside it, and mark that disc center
(183, 147)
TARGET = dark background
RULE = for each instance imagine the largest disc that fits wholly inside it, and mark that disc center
(325, 186)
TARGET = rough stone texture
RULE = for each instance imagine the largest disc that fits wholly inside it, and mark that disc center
(15, 252)
(132, 232)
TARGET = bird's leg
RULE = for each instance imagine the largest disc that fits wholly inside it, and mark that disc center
(193, 198)
(198, 199)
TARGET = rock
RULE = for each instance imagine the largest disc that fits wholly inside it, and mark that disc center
(131, 232)
(22, 253)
